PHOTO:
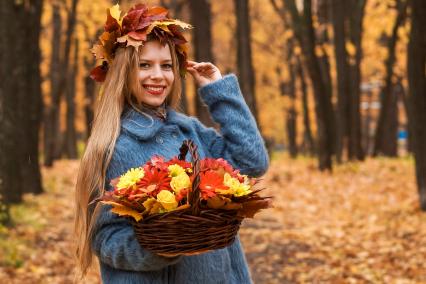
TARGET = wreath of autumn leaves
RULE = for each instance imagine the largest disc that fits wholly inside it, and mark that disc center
(132, 30)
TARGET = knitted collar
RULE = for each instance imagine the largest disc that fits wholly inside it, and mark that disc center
(160, 111)
(144, 126)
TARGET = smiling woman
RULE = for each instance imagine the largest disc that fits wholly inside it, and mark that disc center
(143, 59)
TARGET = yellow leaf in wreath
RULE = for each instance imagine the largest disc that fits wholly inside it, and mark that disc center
(115, 13)
(122, 210)
(164, 25)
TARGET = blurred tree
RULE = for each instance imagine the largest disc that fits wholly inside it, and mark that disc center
(303, 27)
(291, 111)
(10, 139)
(244, 57)
(356, 10)
(69, 145)
(347, 19)
(51, 125)
(89, 96)
(385, 140)
(339, 20)
(32, 107)
(202, 42)
(416, 65)
(308, 144)
(20, 99)
(65, 74)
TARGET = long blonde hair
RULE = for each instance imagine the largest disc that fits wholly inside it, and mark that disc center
(120, 83)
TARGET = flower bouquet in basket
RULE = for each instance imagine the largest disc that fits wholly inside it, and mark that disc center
(183, 208)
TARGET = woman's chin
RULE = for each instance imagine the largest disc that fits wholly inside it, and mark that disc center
(154, 102)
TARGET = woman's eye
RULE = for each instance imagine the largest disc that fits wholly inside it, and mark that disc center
(144, 65)
(167, 66)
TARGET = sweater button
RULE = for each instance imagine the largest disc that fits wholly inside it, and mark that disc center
(174, 135)
(159, 140)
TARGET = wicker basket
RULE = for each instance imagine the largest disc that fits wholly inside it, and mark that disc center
(191, 231)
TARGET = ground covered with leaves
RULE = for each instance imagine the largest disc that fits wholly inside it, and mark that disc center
(360, 224)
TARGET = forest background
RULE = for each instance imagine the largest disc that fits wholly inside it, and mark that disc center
(336, 82)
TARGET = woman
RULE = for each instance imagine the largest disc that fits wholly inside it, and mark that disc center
(136, 119)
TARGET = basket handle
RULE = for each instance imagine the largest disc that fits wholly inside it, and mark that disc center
(194, 194)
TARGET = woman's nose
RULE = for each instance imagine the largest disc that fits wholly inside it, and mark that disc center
(156, 73)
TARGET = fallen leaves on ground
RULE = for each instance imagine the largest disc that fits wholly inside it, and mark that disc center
(361, 224)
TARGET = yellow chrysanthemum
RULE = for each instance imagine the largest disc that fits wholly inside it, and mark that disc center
(235, 186)
(130, 178)
(175, 170)
(167, 200)
(180, 182)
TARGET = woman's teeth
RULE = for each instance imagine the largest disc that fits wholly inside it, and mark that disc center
(155, 89)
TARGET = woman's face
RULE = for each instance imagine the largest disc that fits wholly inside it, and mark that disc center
(155, 73)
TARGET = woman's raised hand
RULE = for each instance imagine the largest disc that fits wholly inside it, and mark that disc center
(203, 72)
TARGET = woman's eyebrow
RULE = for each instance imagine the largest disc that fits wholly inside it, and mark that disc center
(149, 60)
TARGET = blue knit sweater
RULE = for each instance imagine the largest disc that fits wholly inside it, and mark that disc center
(121, 258)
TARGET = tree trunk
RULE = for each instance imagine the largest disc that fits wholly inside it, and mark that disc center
(244, 59)
(10, 140)
(51, 116)
(343, 75)
(304, 30)
(291, 112)
(63, 86)
(308, 141)
(202, 42)
(20, 99)
(89, 93)
(355, 34)
(385, 141)
(70, 141)
(33, 103)
(416, 65)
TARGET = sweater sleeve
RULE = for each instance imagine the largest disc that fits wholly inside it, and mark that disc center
(239, 140)
(114, 241)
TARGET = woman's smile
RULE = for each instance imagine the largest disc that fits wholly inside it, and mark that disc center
(155, 90)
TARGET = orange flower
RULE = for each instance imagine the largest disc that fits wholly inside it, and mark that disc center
(209, 182)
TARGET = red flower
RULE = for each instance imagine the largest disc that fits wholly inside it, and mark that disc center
(154, 181)
(209, 182)
(219, 165)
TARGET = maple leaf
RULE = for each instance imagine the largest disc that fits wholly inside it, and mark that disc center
(108, 40)
(98, 51)
(164, 24)
(219, 202)
(113, 19)
(122, 210)
(250, 208)
(115, 13)
(132, 19)
(99, 72)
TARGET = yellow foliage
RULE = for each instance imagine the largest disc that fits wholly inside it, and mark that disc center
(122, 210)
